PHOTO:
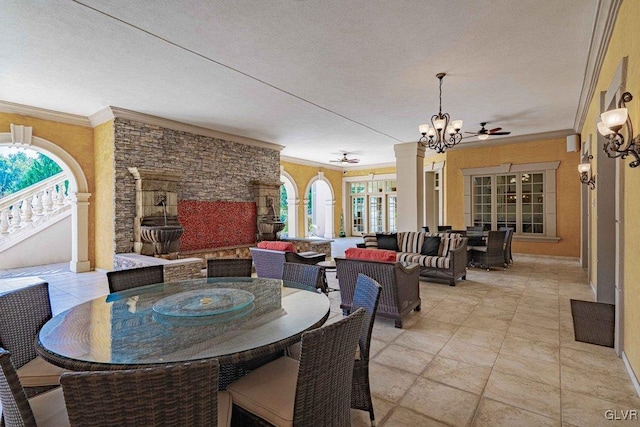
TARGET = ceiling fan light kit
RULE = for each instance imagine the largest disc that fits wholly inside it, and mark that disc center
(610, 126)
(440, 135)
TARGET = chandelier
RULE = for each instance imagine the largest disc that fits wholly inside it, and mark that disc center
(440, 135)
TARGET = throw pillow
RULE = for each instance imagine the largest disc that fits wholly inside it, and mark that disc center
(278, 246)
(387, 241)
(430, 246)
(370, 254)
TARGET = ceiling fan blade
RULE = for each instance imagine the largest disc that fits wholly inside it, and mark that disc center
(472, 133)
(494, 130)
(353, 160)
(499, 133)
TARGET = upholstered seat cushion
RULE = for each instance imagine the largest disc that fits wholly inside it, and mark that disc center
(49, 409)
(225, 405)
(277, 246)
(370, 254)
(425, 260)
(38, 372)
(269, 391)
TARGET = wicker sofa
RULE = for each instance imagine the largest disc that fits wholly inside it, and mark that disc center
(450, 264)
(400, 285)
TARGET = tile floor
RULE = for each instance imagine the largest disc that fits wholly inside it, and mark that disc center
(495, 350)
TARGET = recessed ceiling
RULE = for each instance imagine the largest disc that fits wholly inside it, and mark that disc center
(316, 76)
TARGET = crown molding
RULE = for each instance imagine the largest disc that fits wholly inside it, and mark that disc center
(304, 162)
(606, 14)
(513, 139)
(111, 113)
(44, 114)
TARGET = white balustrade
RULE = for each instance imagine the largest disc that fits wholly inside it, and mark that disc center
(33, 205)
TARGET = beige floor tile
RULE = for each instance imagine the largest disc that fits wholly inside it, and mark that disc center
(441, 402)
(449, 314)
(465, 376)
(536, 302)
(469, 353)
(404, 358)
(469, 298)
(534, 333)
(535, 320)
(608, 364)
(486, 323)
(388, 383)
(402, 417)
(489, 339)
(375, 347)
(532, 369)
(422, 340)
(435, 327)
(551, 312)
(502, 302)
(381, 409)
(492, 413)
(588, 411)
(524, 347)
(384, 330)
(525, 394)
(492, 312)
(603, 386)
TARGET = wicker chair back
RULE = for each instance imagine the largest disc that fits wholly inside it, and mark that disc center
(15, 406)
(235, 267)
(121, 280)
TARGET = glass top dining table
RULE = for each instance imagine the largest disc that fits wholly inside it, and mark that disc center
(232, 319)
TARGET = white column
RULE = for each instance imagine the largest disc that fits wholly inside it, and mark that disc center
(410, 185)
(80, 233)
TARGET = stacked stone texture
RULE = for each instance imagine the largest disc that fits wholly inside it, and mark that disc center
(212, 169)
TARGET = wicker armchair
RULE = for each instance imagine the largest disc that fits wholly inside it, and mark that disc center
(367, 296)
(400, 285)
(234, 267)
(46, 409)
(165, 395)
(269, 263)
(491, 255)
(121, 280)
(22, 313)
(310, 277)
(315, 391)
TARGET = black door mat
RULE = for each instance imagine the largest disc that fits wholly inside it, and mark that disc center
(593, 322)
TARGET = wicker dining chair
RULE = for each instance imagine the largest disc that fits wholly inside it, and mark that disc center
(315, 391)
(45, 409)
(121, 280)
(229, 267)
(508, 256)
(23, 312)
(311, 277)
(491, 255)
(184, 394)
(367, 296)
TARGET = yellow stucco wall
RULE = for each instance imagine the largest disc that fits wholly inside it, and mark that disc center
(625, 41)
(567, 187)
(104, 197)
(76, 140)
(302, 175)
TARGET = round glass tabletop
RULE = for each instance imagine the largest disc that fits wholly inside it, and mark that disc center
(204, 302)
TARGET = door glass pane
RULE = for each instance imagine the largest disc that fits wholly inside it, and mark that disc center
(481, 208)
(392, 208)
(375, 214)
(357, 207)
(533, 203)
(506, 200)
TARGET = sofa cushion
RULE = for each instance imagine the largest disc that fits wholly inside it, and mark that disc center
(387, 241)
(370, 254)
(448, 244)
(411, 241)
(370, 240)
(277, 246)
(431, 246)
(425, 260)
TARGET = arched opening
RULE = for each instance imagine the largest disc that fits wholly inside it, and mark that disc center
(319, 206)
(290, 201)
(78, 195)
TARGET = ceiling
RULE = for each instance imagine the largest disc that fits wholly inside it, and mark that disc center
(316, 76)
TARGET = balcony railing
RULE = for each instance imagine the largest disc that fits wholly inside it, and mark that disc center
(33, 206)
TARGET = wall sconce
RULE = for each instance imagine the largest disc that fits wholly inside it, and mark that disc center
(585, 178)
(610, 126)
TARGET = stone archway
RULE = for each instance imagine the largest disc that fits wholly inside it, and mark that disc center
(323, 204)
(293, 202)
(21, 136)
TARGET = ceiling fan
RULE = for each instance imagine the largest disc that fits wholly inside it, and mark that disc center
(484, 133)
(344, 159)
